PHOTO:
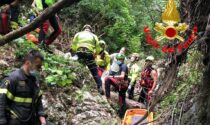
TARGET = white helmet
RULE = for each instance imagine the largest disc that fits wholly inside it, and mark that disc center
(150, 58)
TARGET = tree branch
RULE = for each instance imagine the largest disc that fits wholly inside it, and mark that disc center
(47, 13)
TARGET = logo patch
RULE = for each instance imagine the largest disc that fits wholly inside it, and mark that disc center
(171, 29)
(22, 83)
(6, 82)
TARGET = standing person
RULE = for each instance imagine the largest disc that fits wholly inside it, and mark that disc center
(12, 8)
(15, 12)
(103, 59)
(120, 82)
(40, 5)
(134, 70)
(148, 81)
(20, 94)
(86, 45)
(114, 67)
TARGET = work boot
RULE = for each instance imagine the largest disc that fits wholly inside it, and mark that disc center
(100, 90)
(44, 46)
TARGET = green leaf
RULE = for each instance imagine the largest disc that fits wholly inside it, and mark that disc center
(50, 79)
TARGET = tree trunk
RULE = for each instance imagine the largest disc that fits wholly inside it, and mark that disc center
(129, 103)
(197, 13)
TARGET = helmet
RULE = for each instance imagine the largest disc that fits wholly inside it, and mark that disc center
(120, 57)
(136, 55)
(150, 58)
(101, 43)
(87, 27)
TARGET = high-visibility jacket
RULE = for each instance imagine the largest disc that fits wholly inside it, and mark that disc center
(103, 61)
(40, 6)
(86, 39)
(20, 97)
(134, 73)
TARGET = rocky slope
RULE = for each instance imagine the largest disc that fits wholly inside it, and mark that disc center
(77, 104)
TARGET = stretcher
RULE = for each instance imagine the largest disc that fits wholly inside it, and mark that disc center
(134, 115)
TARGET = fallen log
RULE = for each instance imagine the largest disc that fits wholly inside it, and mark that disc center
(130, 103)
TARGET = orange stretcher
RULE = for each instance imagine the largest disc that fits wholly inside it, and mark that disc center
(134, 115)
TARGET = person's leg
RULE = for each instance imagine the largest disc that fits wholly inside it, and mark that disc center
(122, 103)
(14, 11)
(107, 87)
(131, 96)
(56, 27)
(142, 96)
(100, 71)
(43, 31)
(131, 93)
(108, 83)
(93, 69)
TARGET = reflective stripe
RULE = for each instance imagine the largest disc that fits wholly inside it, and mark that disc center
(13, 113)
(3, 91)
(18, 99)
(14, 98)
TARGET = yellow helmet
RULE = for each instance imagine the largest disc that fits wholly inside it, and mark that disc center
(102, 43)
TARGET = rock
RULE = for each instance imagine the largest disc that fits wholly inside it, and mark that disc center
(92, 111)
(3, 63)
(80, 107)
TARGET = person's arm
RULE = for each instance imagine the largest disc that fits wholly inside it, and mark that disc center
(40, 111)
(97, 46)
(112, 56)
(6, 92)
(33, 3)
(74, 43)
(154, 76)
(122, 75)
(108, 61)
(15, 3)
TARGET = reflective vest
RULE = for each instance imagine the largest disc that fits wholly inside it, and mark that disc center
(134, 72)
(86, 39)
(103, 62)
(39, 4)
(146, 78)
